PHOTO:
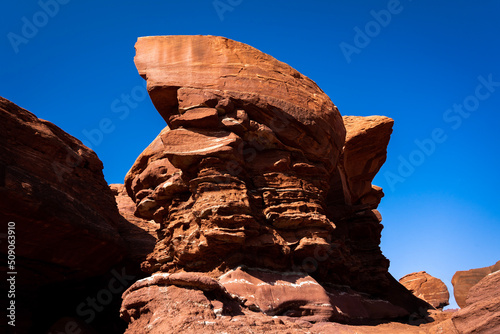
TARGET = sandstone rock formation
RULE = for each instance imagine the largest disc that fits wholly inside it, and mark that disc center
(482, 313)
(252, 211)
(463, 281)
(53, 188)
(427, 287)
(188, 71)
(487, 288)
(71, 241)
(363, 155)
(255, 171)
(190, 302)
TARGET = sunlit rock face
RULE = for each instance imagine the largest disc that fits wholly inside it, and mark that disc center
(464, 280)
(257, 169)
(482, 311)
(428, 288)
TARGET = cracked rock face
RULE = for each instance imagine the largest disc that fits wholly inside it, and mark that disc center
(254, 169)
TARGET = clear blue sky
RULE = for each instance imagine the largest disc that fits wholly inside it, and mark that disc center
(433, 66)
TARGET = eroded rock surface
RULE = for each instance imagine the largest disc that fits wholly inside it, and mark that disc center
(255, 171)
(464, 280)
(67, 226)
(252, 300)
(187, 71)
(428, 288)
(300, 295)
(52, 187)
(482, 313)
(364, 153)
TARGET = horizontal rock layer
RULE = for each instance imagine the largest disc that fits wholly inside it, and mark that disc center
(185, 71)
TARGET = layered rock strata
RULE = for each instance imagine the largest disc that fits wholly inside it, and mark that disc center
(255, 170)
(66, 223)
(428, 288)
(183, 72)
(482, 311)
(464, 280)
(53, 189)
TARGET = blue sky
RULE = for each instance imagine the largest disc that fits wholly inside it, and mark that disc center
(431, 66)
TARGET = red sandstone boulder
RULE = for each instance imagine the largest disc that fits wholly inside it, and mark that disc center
(220, 73)
(463, 281)
(487, 288)
(427, 287)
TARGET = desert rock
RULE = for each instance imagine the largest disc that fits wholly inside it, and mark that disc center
(68, 228)
(428, 288)
(53, 188)
(254, 171)
(299, 295)
(482, 314)
(463, 281)
(186, 71)
(364, 154)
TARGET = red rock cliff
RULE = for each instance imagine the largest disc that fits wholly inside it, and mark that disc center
(255, 181)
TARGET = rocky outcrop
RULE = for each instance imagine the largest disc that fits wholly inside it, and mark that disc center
(53, 188)
(241, 300)
(487, 288)
(482, 313)
(463, 281)
(67, 227)
(189, 71)
(300, 295)
(173, 308)
(363, 155)
(427, 287)
(255, 171)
